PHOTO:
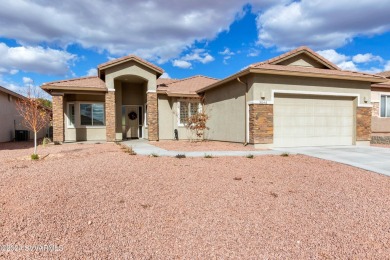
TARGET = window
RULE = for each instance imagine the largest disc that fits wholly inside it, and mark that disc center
(92, 114)
(71, 114)
(187, 109)
(385, 106)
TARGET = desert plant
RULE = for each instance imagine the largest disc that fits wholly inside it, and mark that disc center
(153, 155)
(197, 124)
(46, 141)
(34, 156)
(250, 156)
(285, 154)
(180, 156)
(208, 156)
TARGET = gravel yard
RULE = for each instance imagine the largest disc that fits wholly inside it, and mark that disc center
(187, 146)
(96, 201)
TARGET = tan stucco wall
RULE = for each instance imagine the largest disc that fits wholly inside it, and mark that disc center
(9, 114)
(165, 117)
(131, 68)
(266, 83)
(81, 133)
(226, 107)
(379, 125)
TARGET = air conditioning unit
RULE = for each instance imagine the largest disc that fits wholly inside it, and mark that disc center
(22, 135)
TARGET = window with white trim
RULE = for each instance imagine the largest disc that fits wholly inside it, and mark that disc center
(71, 115)
(92, 114)
(187, 109)
(385, 106)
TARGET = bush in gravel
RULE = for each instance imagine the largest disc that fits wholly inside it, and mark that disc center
(154, 155)
(250, 156)
(180, 156)
(34, 156)
(208, 156)
(46, 141)
(285, 154)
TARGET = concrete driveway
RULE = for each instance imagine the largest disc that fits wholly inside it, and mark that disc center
(376, 159)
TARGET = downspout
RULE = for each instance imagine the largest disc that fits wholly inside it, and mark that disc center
(245, 104)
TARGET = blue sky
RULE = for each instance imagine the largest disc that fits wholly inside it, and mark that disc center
(42, 41)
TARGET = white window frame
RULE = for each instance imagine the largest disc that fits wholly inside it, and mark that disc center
(189, 108)
(70, 125)
(92, 126)
(387, 96)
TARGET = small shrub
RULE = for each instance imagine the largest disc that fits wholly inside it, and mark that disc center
(57, 143)
(130, 150)
(46, 141)
(273, 194)
(285, 154)
(34, 156)
(250, 156)
(208, 156)
(154, 155)
(180, 156)
(237, 178)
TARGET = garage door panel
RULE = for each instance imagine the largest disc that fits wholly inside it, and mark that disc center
(302, 120)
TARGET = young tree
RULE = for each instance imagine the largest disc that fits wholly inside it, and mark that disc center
(35, 115)
(197, 123)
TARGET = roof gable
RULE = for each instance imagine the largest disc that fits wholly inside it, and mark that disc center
(128, 58)
(187, 86)
(302, 56)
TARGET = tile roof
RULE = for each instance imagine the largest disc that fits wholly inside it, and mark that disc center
(165, 81)
(187, 86)
(312, 70)
(129, 58)
(385, 74)
(292, 53)
(93, 83)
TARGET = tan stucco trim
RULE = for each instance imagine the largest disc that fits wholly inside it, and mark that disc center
(46, 87)
(170, 94)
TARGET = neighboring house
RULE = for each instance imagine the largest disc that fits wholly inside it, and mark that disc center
(380, 98)
(10, 119)
(296, 99)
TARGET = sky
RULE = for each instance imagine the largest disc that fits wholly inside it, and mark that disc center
(49, 40)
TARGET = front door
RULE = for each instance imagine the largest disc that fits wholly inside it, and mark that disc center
(132, 117)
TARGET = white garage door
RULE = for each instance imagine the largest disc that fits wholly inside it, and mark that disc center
(305, 120)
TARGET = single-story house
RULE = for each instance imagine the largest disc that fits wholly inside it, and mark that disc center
(10, 118)
(380, 98)
(296, 99)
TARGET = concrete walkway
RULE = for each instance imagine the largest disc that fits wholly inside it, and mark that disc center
(143, 147)
(371, 158)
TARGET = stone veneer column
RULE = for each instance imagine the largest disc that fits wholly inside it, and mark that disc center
(363, 123)
(110, 116)
(261, 124)
(152, 116)
(58, 118)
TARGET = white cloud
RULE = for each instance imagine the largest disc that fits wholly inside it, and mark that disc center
(27, 80)
(351, 63)
(34, 59)
(199, 55)
(387, 66)
(182, 64)
(333, 56)
(364, 58)
(321, 24)
(156, 30)
(92, 72)
(253, 53)
(165, 76)
(226, 52)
